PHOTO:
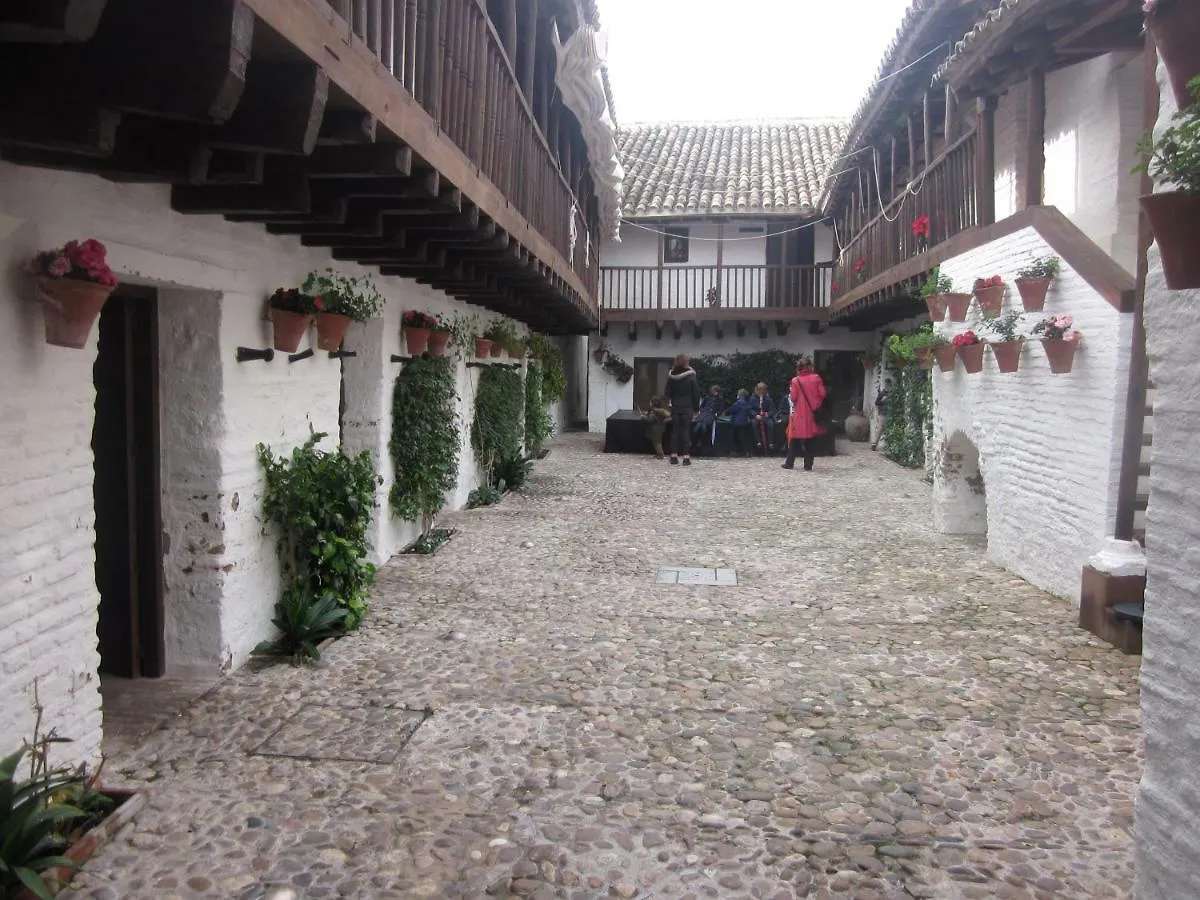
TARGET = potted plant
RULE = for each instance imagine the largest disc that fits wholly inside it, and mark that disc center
(439, 337)
(1175, 215)
(1007, 347)
(1033, 281)
(515, 348)
(501, 333)
(292, 313)
(899, 350)
(418, 327)
(600, 352)
(935, 289)
(921, 230)
(1175, 28)
(618, 368)
(73, 283)
(923, 342)
(970, 349)
(713, 296)
(1061, 341)
(990, 294)
(868, 358)
(342, 300)
(945, 353)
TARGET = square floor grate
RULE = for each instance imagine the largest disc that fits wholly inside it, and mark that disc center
(697, 576)
(373, 734)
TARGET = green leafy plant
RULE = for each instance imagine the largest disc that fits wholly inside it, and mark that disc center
(1175, 156)
(617, 368)
(343, 295)
(321, 503)
(774, 368)
(1004, 327)
(499, 425)
(464, 328)
(430, 542)
(294, 301)
(424, 444)
(908, 416)
(554, 373)
(538, 426)
(305, 620)
(502, 331)
(511, 472)
(484, 495)
(1041, 267)
(937, 283)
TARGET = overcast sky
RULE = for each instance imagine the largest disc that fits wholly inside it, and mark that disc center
(716, 60)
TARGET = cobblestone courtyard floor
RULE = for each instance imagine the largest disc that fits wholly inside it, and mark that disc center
(874, 711)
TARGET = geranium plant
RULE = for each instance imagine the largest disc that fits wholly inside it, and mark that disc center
(1057, 328)
(414, 318)
(860, 266)
(79, 260)
(441, 325)
(984, 283)
(1041, 267)
(966, 339)
(937, 283)
(921, 231)
(342, 295)
(296, 301)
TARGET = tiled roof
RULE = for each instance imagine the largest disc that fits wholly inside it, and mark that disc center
(972, 37)
(698, 169)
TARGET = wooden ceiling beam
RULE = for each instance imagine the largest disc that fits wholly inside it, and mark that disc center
(280, 111)
(49, 21)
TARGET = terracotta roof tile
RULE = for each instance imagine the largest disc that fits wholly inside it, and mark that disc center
(680, 168)
(980, 28)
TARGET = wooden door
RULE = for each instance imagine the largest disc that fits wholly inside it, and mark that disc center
(125, 447)
(649, 379)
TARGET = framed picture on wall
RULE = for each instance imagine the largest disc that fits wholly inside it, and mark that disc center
(675, 245)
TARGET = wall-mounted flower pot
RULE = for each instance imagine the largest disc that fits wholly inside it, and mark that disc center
(70, 308)
(331, 329)
(945, 357)
(598, 356)
(1033, 292)
(517, 353)
(1175, 27)
(972, 357)
(1175, 221)
(496, 350)
(483, 347)
(936, 304)
(991, 300)
(1061, 355)
(924, 357)
(289, 328)
(1008, 354)
(438, 342)
(416, 340)
(957, 305)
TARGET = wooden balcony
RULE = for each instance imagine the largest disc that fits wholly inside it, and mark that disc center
(883, 266)
(396, 133)
(759, 293)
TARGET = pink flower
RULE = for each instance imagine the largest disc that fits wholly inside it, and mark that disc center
(59, 266)
(1071, 336)
(1064, 321)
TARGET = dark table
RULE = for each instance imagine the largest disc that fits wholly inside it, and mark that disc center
(625, 432)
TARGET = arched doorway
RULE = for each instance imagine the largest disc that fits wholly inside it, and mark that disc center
(959, 494)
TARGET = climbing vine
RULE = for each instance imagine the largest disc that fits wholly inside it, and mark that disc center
(538, 425)
(424, 443)
(554, 373)
(775, 368)
(499, 426)
(322, 503)
(909, 415)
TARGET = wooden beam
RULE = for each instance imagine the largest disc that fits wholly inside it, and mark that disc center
(284, 188)
(1032, 176)
(985, 166)
(927, 124)
(49, 21)
(912, 149)
(363, 161)
(891, 173)
(65, 129)
(280, 111)
(346, 126)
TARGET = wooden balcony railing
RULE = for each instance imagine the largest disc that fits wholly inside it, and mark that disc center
(738, 287)
(945, 192)
(448, 56)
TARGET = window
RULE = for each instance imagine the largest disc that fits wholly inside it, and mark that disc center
(675, 245)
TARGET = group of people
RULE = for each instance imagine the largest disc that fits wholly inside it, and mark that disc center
(752, 416)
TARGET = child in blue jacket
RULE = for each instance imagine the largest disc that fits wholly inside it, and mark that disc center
(741, 417)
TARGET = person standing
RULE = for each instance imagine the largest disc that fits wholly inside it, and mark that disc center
(683, 390)
(807, 393)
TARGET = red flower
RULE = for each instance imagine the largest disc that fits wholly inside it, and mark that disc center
(860, 265)
(994, 281)
(319, 304)
(833, 287)
(920, 227)
(966, 339)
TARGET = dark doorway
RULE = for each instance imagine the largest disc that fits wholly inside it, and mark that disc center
(126, 487)
(791, 281)
(843, 374)
(649, 379)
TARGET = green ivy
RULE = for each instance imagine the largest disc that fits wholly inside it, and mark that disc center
(322, 504)
(424, 444)
(775, 368)
(499, 426)
(554, 372)
(538, 425)
(909, 415)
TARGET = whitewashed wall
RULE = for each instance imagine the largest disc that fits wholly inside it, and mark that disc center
(1167, 819)
(1049, 445)
(606, 396)
(221, 573)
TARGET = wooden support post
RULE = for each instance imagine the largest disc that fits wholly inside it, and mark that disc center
(527, 50)
(912, 149)
(927, 123)
(985, 165)
(508, 31)
(1033, 171)
(951, 116)
(892, 172)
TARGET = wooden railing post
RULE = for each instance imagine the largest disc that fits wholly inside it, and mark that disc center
(1033, 164)
(985, 168)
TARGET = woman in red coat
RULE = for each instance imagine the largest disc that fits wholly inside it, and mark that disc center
(807, 393)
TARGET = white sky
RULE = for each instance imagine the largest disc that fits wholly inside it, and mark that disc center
(714, 60)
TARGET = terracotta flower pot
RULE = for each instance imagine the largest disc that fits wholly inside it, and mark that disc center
(957, 305)
(991, 300)
(972, 357)
(598, 356)
(331, 329)
(936, 303)
(496, 350)
(1008, 355)
(515, 353)
(483, 347)
(289, 327)
(438, 342)
(1175, 221)
(924, 357)
(868, 363)
(1033, 292)
(1061, 355)
(416, 340)
(70, 308)
(945, 355)
(1175, 28)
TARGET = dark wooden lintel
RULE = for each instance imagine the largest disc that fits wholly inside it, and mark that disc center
(280, 110)
(346, 126)
(49, 21)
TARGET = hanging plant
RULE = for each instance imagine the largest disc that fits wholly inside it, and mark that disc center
(341, 300)
(499, 425)
(73, 283)
(424, 443)
(502, 333)
(617, 368)
(538, 426)
(1033, 281)
(908, 414)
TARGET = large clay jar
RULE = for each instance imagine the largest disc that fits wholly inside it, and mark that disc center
(858, 427)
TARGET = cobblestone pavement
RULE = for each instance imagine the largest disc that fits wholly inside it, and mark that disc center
(874, 712)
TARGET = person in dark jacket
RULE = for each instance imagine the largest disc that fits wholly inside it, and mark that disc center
(762, 414)
(706, 417)
(683, 392)
(656, 424)
(741, 417)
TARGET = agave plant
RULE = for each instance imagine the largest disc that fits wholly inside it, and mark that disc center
(31, 825)
(306, 620)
